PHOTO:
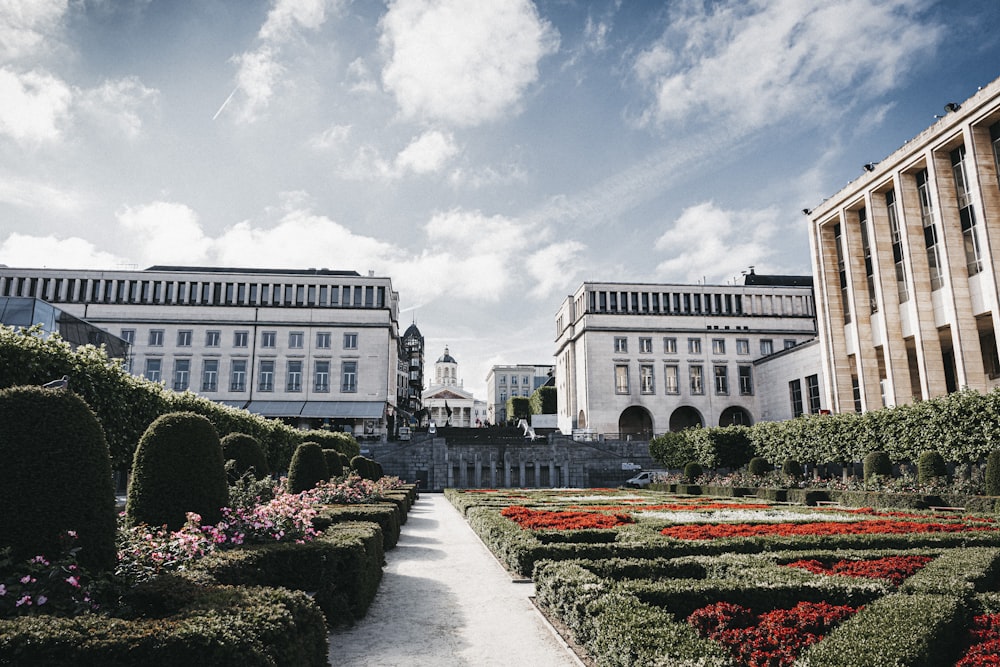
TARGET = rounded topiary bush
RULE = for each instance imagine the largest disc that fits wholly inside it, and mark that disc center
(692, 471)
(248, 454)
(993, 473)
(877, 463)
(56, 477)
(308, 467)
(345, 462)
(792, 468)
(759, 466)
(178, 468)
(333, 465)
(342, 442)
(930, 465)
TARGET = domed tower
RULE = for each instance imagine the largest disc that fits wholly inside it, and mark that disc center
(446, 370)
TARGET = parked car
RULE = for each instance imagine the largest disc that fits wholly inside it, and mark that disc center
(643, 479)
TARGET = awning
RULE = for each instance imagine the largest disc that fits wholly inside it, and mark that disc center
(344, 409)
(276, 408)
(233, 404)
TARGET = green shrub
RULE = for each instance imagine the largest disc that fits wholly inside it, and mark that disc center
(178, 468)
(877, 463)
(672, 449)
(759, 466)
(692, 471)
(345, 462)
(792, 468)
(993, 473)
(308, 467)
(248, 454)
(333, 465)
(930, 466)
(56, 477)
(338, 440)
(366, 468)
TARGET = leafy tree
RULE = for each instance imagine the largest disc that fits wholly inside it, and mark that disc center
(544, 401)
(673, 449)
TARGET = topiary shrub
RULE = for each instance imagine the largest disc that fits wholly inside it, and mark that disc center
(792, 468)
(993, 473)
(345, 462)
(930, 465)
(178, 468)
(333, 465)
(342, 442)
(692, 471)
(308, 467)
(759, 466)
(248, 454)
(877, 463)
(56, 477)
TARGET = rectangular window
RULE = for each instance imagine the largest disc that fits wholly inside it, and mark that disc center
(789, 343)
(902, 290)
(966, 212)
(296, 339)
(646, 379)
(621, 344)
(503, 396)
(265, 378)
(210, 375)
(812, 392)
(182, 374)
(669, 346)
(866, 251)
(930, 231)
(524, 380)
(645, 345)
(152, 372)
(213, 338)
(670, 382)
(513, 380)
(268, 338)
(721, 374)
(128, 335)
(321, 377)
(845, 302)
(293, 377)
(621, 379)
(349, 376)
(184, 338)
(795, 394)
(238, 375)
(241, 339)
(746, 380)
(718, 346)
(766, 347)
(323, 340)
(696, 378)
(156, 337)
(694, 346)
(856, 389)
(742, 346)
(350, 341)
(503, 379)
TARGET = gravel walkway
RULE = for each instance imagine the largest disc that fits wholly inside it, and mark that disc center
(444, 600)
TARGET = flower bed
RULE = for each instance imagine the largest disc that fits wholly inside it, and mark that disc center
(565, 520)
(893, 568)
(984, 642)
(873, 527)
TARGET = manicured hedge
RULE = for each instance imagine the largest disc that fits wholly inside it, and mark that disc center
(386, 515)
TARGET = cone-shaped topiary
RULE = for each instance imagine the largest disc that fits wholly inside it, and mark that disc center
(308, 467)
(930, 465)
(248, 454)
(178, 468)
(333, 464)
(877, 463)
(692, 471)
(792, 468)
(993, 473)
(759, 466)
(56, 477)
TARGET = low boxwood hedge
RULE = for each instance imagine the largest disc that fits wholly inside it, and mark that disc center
(386, 515)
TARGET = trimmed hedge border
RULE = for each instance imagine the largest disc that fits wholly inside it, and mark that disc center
(386, 515)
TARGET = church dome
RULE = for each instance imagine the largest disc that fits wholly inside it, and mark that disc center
(446, 358)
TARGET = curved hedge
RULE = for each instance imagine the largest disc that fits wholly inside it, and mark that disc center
(246, 451)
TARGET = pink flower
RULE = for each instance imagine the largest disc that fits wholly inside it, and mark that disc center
(24, 600)
(42, 599)
(3, 589)
(73, 581)
(27, 579)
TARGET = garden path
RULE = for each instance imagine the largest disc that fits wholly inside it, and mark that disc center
(445, 601)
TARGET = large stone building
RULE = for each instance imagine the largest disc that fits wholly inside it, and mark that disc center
(907, 266)
(446, 401)
(503, 382)
(313, 347)
(411, 364)
(635, 360)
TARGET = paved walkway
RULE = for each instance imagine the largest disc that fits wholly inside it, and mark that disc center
(444, 601)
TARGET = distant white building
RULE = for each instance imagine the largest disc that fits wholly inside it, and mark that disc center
(633, 360)
(447, 402)
(503, 382)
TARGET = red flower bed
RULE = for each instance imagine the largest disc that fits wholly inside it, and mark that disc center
(711, 531)
(984, 639)
(545, 520)
(679, 507)
(772, 639)
(894, 568)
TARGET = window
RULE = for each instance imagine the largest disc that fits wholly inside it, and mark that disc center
(742, 346)
(670, 383)
(128, 335)
(265, 379)
(210, 375)
(621, 379)
(268, 338)
(695, 377)
(513, 380)
(349, 376)
(621, 344)
(240, 339)
(966, 212)
(293, 377)
(645, 345)
(182, 374)
(856, 390)
(812, 391)
(524, 380)
(152, 372)
(295, 340)
(321, 378)
(718, 346)
(902, 290)
(694, 346)
(323, 340)
(866, 251)
(238, 375)
(503, 396)
(789, 343)
(766, 347)
(350, 341)
(212, 338)
(795, 393)
(669, 346)
(503, 379)
(845, 302)
(930, 231)
(721, 380)
(156, 337)
(746, 380)
(646, 379)
(184, 338)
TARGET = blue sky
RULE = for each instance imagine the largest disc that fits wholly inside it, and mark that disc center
(488, 156)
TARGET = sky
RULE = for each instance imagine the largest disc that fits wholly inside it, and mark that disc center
(487, 155)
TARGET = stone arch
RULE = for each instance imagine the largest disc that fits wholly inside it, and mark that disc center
(734, 415)
(581, 420)
(635, 421)
(685, 417)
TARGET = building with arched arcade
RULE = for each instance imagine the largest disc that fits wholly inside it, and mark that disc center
(638, 359)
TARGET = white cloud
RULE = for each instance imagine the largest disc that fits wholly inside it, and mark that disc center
(759, 62)
(461, 62)
(706, 242)
(482, 176)
(360, 78)
(165, 233)
(554, 268)
(50, 252)
(330, 138)
(427, 153)
(35, 195)
(29, 26)
(34, 106)
(287, 16)
(116, 105)
(258, 73)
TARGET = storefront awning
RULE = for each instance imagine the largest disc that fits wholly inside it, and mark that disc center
(276, 408)
(344, 409)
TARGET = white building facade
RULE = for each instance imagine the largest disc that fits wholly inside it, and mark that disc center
(503, 382)
(447, 402)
